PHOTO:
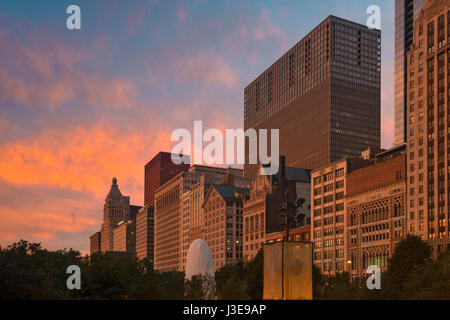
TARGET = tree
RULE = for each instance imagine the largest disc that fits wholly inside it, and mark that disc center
(254, 275)
(409, 254)
(27, 271)
(429, 281)
(171, 285)
(341, 287)
(194, 288)
(228, 275)
(234, 289)
(318, 283)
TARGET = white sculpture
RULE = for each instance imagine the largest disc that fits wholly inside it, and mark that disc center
(199, 260)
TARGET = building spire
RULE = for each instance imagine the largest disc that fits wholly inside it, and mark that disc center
(114, 191)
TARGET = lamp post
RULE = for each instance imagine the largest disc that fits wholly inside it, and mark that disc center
(286, 211)
(287, 215)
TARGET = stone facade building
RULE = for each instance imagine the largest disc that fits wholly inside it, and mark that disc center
(192, 210)
(125, 237)
(176, 209)
(406, 12)
(116, 209)
(223, 207)
(168, 221)
(428, 126)
(376, 213)
(328, 218)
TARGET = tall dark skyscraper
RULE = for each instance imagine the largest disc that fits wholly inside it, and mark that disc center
(158, 171)
(323, 95)
(406, 11)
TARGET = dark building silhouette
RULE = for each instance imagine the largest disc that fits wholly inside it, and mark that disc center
(95, 241)
(158, 171)
(323, 95)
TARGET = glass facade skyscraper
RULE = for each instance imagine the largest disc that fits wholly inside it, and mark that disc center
(323, 95)
(406, 11)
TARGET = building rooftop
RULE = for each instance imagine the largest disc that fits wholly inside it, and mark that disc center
(294, 174)
(114, 191)
(228, 192)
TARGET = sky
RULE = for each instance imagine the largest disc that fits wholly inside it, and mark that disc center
(78, 107)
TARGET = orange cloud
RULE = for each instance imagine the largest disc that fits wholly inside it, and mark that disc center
(53, 185)
(80, 158)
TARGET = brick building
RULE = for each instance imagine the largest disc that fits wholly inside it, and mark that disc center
(223, 211)
(428, 126)
(158, 171)
(262, 208)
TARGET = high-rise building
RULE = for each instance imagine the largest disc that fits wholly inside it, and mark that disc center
(224, 223)
(95, 241)
(125, 237)
(145, 233)
(116, 209)
(158, 171)
(406, 11)
(323, 95)
(168, 221)
(428, 126)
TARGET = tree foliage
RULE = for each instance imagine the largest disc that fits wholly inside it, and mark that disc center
(28, 271)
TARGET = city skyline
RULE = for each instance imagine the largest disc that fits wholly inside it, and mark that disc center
(93, 110)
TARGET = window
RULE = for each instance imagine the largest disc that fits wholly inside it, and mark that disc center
(340, 173)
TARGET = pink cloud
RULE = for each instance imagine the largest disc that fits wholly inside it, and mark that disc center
(208, 68)
(30, 76)
(182, 15)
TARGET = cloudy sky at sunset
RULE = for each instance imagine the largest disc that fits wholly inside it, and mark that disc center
(79, 107)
